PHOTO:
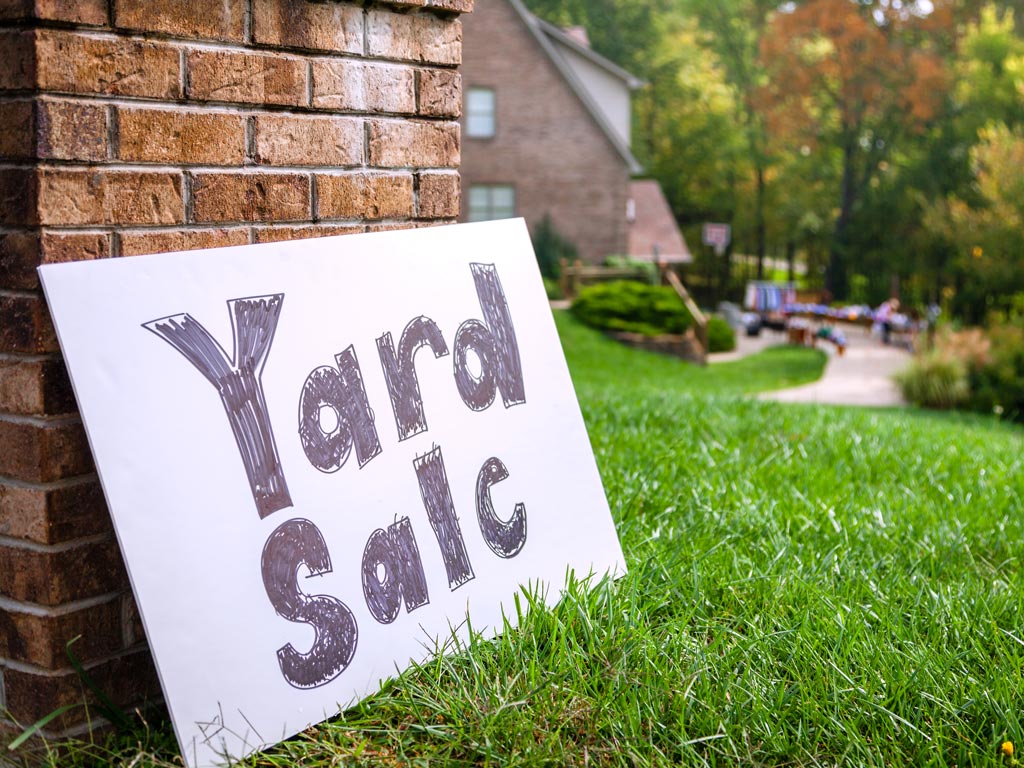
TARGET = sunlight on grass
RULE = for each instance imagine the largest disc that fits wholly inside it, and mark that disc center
(808, 586)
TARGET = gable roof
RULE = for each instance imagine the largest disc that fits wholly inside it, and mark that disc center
(654, 234)
(548, 37)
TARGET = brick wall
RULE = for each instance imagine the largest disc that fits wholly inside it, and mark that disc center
(546, 143)
(131, 126)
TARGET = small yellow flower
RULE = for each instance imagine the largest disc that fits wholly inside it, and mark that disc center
(1006, 749)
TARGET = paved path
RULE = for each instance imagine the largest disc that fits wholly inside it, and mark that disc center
(861, 376)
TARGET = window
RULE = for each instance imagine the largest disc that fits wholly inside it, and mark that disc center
(496, 201)
(480, 113)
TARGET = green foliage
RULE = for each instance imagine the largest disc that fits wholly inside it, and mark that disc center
(648, 269)
(935, 380)
(624, 305)
(552, 288)
(998, 385)
(721, 337)
(551, 248)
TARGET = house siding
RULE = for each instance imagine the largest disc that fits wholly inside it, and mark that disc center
(546, 144)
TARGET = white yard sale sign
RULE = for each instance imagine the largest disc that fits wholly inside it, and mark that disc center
(320, 456)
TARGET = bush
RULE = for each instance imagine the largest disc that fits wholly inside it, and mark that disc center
(552, 288)
(648, 269)
(551, 248)
(721, 337)
(622, 305)
(997, 386)
(935, 380)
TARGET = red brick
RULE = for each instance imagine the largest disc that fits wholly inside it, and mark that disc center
(365, 196)
(291, 140)
(438, 196)
(93, 12)
(35, 387)
(15, 10)
(54, 576)
(55, 513)
(398, 144)
(19, 257)
(42, 640)
(179, 137)
(414, 37)
(25, 326)
(77, 197)
(183, 18)
(18, 63)
(394, 226)
(136, 243)
(277, 234)
(78, 64)
(22, 252)
(363, 86)
(221, 197)
(440, 93)
(456, 6)
(58, 248)
(18, 188)
(17, 125)
(246, 77)
(331, 26)
(42, 453)
(126, 680)
(67, 130)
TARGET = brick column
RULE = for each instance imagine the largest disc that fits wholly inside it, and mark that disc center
(128, 127)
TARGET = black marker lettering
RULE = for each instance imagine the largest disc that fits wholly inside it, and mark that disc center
(400, 372)
(394, 550)
(237, 380)
(495, 345)
(437, 499)
(340, 390)
(504, 539)
(296, 543)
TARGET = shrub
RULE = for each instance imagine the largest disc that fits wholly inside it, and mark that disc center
(551, 248)
(935, 380)
(997, 386)
(721, 337)
(552, 288)
(628, 306)
(648, 269)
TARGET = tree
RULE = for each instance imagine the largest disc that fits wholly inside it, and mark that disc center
(734, 32)
(853, 79)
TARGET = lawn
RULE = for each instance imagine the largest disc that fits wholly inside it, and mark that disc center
(808, 586)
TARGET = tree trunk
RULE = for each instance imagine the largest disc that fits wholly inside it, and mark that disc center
(759, 227)
(835, 272)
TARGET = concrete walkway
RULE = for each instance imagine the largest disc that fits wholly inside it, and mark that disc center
(862, 376)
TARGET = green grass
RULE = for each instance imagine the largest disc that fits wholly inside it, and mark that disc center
(808, 586)
(599, 366)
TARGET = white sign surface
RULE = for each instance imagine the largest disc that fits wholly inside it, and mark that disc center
(322, 455)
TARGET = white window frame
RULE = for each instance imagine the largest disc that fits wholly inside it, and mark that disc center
(481, 203)
(481, 115)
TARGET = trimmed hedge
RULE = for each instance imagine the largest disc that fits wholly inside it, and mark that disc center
(721, 337)
(622, 305)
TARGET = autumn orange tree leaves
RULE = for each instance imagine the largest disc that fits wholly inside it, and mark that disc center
(852, 79)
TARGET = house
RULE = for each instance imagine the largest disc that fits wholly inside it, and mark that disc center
(546, 131)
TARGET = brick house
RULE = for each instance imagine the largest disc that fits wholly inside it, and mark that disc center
(134, 127)
(546, 130)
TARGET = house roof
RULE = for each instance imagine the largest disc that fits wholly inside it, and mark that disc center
(653, 233)
(549, 37)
